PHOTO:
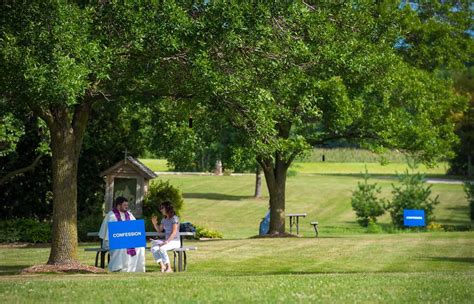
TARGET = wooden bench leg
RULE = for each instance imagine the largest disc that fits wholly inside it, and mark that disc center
(102, 259)
(97, 259)
(174, 260)
(297, 225)
(316, 230)
(180, 261)
(185, 261)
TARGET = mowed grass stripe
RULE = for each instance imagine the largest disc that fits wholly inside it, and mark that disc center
(332, 167)
(358, 168)
(407, 252)
(325, 288)
(224, 203)
(434, 267)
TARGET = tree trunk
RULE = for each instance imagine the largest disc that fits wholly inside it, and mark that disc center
(64, 167)
(258, 182)
(275, 175)
(66, 142)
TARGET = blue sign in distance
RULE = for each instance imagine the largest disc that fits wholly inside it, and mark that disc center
(414, 218)
(127, 234)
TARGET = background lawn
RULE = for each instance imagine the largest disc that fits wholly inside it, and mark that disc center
(349, 167)
(226, 203)
(358, 168)
(345, 264)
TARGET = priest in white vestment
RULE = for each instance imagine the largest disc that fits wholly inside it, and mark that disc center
(123, 260)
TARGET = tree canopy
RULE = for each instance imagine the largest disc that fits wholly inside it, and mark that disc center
(285, 75)
(60, 60)
(291, 75)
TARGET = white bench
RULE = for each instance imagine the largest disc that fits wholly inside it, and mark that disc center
(179, 253)
(295, 220)
(315, 226)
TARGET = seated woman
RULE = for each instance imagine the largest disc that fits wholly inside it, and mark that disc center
(170, 224)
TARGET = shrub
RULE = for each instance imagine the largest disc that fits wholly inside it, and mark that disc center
(469, 189)
(202, 232)
(435, 227)
(365, 202)
(25, 230)
(90, 223)
(36, 232)
(373, 227)
(227, 172)
(413, 193)
(159, 192)
(10, 232)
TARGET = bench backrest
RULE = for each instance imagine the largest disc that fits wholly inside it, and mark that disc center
(150, 233)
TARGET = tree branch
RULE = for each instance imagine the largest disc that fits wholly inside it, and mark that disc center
(290, 159)
(45, 115)
(310, 7)
(12, 174)
(166, 94)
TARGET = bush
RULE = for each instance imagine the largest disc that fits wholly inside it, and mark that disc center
(202, 232)
(365, 202)
(373, 227)
(227, 172)
(159, 192)
(469, 188)
(90, 223)
(434, 227)
(25, 230)
(9, 231)
(412, 194)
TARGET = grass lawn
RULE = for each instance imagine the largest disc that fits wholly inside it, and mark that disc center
(155, 164)
(357, 168)
(226, 203)
(344, 264)
(330, 167)
(413, 267)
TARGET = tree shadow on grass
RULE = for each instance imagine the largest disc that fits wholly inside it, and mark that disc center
(457, 211)
(469, 260)
(11, 269)
(295, 273)
(462, 209)
(454, 224)
(217, 196)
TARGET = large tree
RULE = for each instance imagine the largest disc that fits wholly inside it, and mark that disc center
(438, 36)
(293, 74)
(59, 59)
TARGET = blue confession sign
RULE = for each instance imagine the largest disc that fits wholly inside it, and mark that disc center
(127, 234)
(414, 218)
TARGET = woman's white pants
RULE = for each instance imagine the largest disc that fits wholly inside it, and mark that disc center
(159, 250)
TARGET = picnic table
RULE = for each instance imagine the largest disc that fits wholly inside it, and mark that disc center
(179, 253)
(294, 220)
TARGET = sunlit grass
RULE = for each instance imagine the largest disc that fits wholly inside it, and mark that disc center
(160, 165)
(226, 203)
(343, 265)
(358, 168)
(423, 267)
